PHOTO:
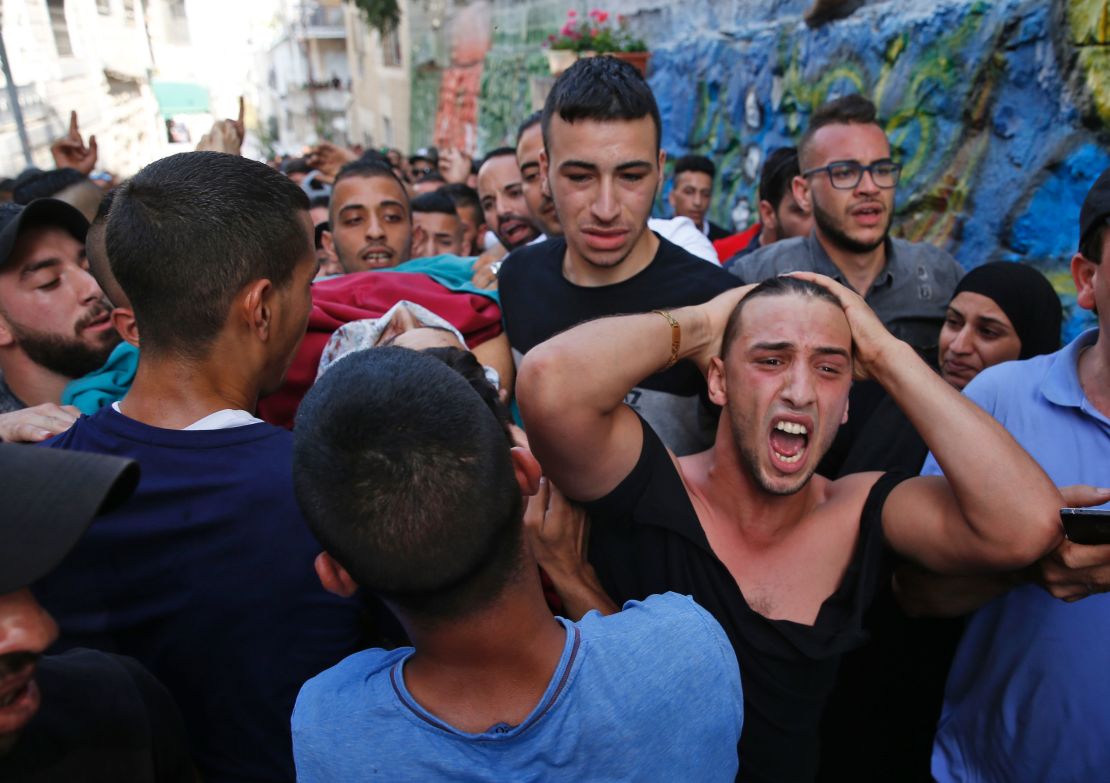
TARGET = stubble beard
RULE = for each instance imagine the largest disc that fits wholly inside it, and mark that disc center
(836, 235)
(66, 356)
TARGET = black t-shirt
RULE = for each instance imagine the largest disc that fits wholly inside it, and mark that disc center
(645, 538)
(537, 302)
(103, 718)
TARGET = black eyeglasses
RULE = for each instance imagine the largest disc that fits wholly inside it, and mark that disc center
(847, 174)
(420, 171)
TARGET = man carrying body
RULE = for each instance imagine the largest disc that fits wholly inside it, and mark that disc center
(205, 575)
(785, 560)
(692, 193)
(411, 481)
(54, 319)
(608, 261)
(1027, 694)
(847, 183)
(502, 196)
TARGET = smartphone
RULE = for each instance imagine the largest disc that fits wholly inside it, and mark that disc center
(1086, 525)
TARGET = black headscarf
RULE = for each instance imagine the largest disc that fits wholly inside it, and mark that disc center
(1027, 299)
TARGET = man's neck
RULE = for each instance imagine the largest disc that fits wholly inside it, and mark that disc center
(1094, 372)
(32, 383)
(175, 393)
(724, 484)
(581, 272)
(491, 666)
(859, 269)
(768, 236)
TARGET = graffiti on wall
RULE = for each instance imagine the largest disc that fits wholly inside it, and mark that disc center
(998, 109)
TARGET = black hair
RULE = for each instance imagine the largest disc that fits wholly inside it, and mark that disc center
(409, 483)
(500, 152)
(697, 163)
(186, 234)
(434, 202)
(33, 184)
(1091, 245)
(105, 205)
(295, 166)
(463, 195)
(773, 286)
(532, 120)
(319, 201)
(431, 176)
(778, 174)
(467, 365)
(602, 89)
(851, 109)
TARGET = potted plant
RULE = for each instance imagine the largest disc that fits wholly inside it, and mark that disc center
(597, 34)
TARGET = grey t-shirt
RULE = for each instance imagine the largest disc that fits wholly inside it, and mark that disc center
(910, 295)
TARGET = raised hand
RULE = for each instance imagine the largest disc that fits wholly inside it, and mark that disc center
(71, 152)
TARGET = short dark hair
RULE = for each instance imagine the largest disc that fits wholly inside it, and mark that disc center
(186, 234)
(33, 184)
(500, 152)
(295, 166)
(851, 109)
(532, 120)
(431, 176)
(462, 194)
(467, 365)
(409, 483)
(602, 89)
(319, 201)
(779, 170)
(697, 163)
(773, 286)
(1091, 246)
(436, 201)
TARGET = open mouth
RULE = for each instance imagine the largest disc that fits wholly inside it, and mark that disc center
(869, 214)
(515, 231)
(376, 257)
(789, 442)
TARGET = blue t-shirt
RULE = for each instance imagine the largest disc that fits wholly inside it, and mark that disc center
(651, 693)
(205, 575)
(1028, 696)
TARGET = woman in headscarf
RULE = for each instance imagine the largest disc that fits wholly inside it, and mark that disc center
(999, 312)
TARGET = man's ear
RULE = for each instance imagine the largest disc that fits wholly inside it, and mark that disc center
(715, 377)
(6, 335)
(255, 305)
(662, 161)
(545, 185)
(123, 321)
(767, 215)
(799, 186)
(844, 418)
(334, 577)
(527, 470)
(327, 241)
(1083, 272)
(420, 241)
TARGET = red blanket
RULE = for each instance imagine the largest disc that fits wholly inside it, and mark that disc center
(369, 295)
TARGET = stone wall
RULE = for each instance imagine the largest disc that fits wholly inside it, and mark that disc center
(999, 110)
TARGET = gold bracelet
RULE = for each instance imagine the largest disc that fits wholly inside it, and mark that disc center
(676, 337)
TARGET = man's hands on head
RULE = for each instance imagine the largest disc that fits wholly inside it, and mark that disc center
(71, 152)
(328, 159)
(869, 336)
(710, 318)
(32, 425)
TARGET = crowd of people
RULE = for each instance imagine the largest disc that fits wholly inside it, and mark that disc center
(357, 466)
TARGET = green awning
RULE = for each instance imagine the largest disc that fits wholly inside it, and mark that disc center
(180, 98)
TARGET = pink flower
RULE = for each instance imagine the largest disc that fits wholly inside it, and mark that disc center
(572, 14)
(602, 17)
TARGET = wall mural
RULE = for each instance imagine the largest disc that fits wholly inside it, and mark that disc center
(999, 112)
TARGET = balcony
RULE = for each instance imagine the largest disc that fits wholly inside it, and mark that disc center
(320, 22)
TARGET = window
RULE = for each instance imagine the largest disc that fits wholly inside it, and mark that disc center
(391, 49)
(57, 9)
(129, 12)
(177, 23)
(104, 7)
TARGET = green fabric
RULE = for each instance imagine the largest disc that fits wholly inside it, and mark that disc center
(451, 272)
(106, 385)
(180, 98)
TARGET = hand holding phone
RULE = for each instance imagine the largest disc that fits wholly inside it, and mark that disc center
(1086, 525)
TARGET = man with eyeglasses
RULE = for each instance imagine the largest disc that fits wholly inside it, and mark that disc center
(847, 181)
